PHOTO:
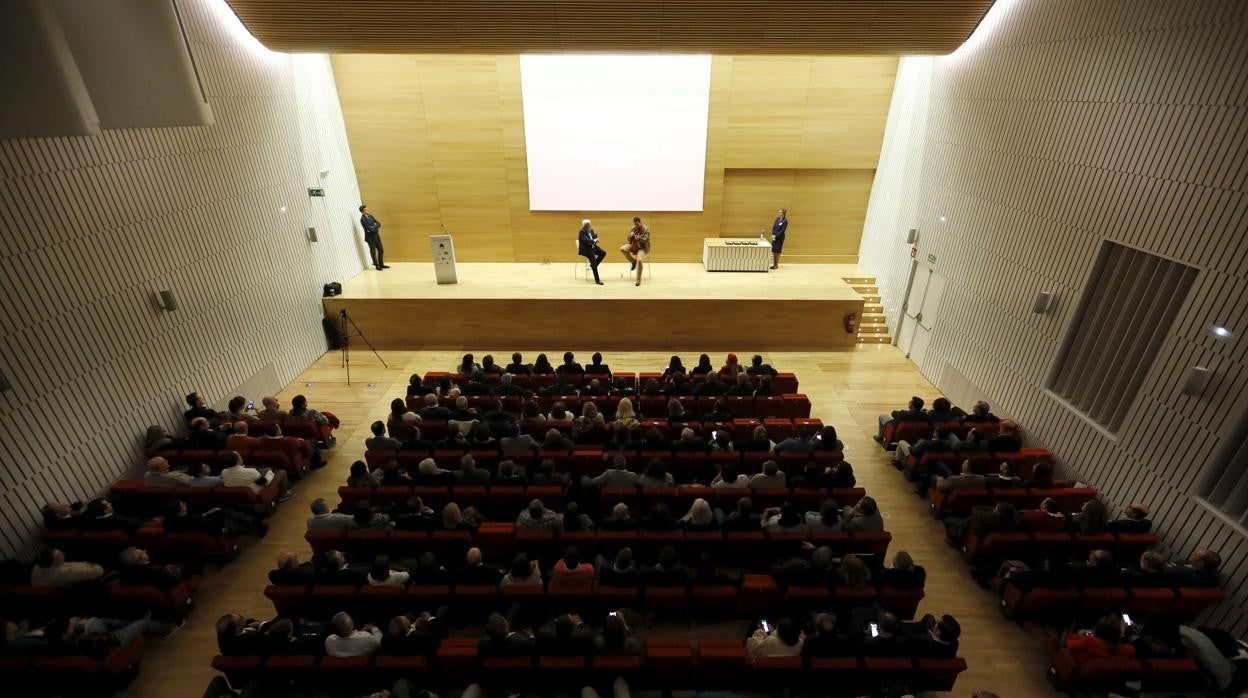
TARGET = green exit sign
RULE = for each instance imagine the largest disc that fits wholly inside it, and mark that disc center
(931, 259)
(315, 192)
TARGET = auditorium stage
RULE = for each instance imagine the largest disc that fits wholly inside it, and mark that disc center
(524, 305)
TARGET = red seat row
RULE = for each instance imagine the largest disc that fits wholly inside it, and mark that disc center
(592, 460)
(1106, 674)
(959, 502)
(1042, 544)
(757, 594)
(916, 431)
(783, 382)
(105, 546)
(1023, 460)
(665, 663)
(137, 496)
(73, 675)
(1019, 603)
(257, 453)
(747, 548)
(119, 601)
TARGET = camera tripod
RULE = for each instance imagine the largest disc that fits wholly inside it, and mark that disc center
(346, 334)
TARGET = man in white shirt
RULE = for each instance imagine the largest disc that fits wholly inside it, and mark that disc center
(239, 475)
(51, 570)
(346, 641)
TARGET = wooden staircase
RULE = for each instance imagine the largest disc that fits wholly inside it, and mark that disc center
(872, 328)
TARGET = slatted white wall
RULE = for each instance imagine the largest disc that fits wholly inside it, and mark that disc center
(1070, 123)
(91, 228)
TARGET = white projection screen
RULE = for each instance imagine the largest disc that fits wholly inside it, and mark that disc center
(615, 133)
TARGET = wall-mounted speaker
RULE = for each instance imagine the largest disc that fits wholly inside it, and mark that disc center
(1044, 301)
(912, 236)
(311, 234)
(1197, 380)
(167, 301)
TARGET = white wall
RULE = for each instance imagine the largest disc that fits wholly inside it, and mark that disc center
(92, 227)
(1068, 123)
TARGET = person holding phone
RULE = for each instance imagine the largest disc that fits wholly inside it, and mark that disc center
(784, 640)
(587, 247)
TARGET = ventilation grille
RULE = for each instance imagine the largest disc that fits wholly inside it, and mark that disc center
(1130, 302)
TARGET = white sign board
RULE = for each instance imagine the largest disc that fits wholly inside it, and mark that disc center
(443, 258)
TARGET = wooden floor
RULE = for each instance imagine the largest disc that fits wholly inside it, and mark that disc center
(847, 388)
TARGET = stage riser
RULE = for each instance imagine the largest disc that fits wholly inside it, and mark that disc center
(621, 324)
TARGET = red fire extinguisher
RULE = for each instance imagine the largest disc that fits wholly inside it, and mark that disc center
(851, 323)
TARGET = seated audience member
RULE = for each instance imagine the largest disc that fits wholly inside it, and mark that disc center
(729, 477)
(507, 388)
(428, 474)
(291, 572)
(616, 639)
(92, 637)
(1041, 477)
(156, 440)
(272, 410)
(203, 437)
(476, 572)
(569, 365)
(983, 520)
(481, 439)
(980, 414)
(759, 441)
(379, 441)
(731, 366)
(432, 411)
(414, 636)
(523, 572)
(711, 387)
(299, 410)
(743, 517)
(380, 574)
(764, 388)
(813, 475)
(942, 440)
(904, 574)
(742, 386)
(520, 442)
(1090, 519)
(704, 367)
(565, 636)
(668, 571)
(453, 439)
(1103, 641)
(842, 477)
(213, 522)
(99, 515)
(323, 519)
(345, 641)
(825, 641)
(674, 367)
(888, 638)
(620, 519)
(1133, 519)
(159, 474)
(785, 519)
(853, 573)
(622, 387)
(137, 570)
(542, 366)
(914, 412)
(757, 367)
(469, 474)
(365, 519)
(785, 640)
(571, 574)
(331, 568)
(675, 411)
(689, 442)
(546, 475)
(935, 637)
(393, 476)
(361, 477)
(538, 518)
(596, 367)
(659, 518)
(509, 475)
(456, 519)
(415, 443)
(413, 515)
(966, 479)
(201, 476)
(771, 477)
(429, 572)
(803, 442)
(198, 409)
(237, 411)
(51, 570)
(573, 519)
(706, 573)
(589, 424)
(239, 439)
(700, 517)
(1201, 569)
(975, 443)
(558, 413)
(1006, 476)
(617, 475)
(239, 475)
(239, 636)
(827, 519)
(58, 516)
(467, 367)
(942, 411)
(556, 441)
(678, 386)
(719, 413)
(619, 572)
(827, 440)
(517, 365)
(819, 570)
(653, 440)
(656, 475)
(488, 367)
(398, 408)
(1007, 440)
(864, 516)
(1098, 571)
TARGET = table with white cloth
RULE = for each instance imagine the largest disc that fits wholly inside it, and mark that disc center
(736, 254)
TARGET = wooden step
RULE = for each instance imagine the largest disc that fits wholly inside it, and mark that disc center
(854, 280)
(884, 339)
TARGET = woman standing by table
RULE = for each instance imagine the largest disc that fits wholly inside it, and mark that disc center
(778, 229)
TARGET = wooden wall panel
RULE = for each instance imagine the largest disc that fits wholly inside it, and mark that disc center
(91, 228)
(826, 209)
(1071, 124)
(439, 139)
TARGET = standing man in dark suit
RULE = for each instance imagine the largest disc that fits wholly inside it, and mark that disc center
(778, 228)
(587, 247)
(372, 236)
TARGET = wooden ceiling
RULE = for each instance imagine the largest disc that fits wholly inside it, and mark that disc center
(812, 27)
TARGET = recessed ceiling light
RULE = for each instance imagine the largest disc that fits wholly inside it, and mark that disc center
(281, 209)
(943, 219)
(1220, 331)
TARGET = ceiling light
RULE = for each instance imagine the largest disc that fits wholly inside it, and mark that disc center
(1220, 331)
